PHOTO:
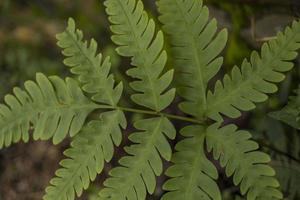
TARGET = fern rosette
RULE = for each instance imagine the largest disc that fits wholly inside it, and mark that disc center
(53, 108)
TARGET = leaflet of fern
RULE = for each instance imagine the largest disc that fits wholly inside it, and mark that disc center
(290, 114)
(288, 173)
(287, 166)
(89, 149)
(195, 48)
(92, 68)
(192, 175)
(52, 107)
(95, 144)
(239, 155)
(134, 33)
(256, 78)
(137, 174)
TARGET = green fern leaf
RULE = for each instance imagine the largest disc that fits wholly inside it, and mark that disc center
(256, 78)
(288, 173)
(137, 174)
(195, 48)
(89, 149)
(195, 45)
(193, 175)
(96, 142)
(287, 164)
(290, 114)
(53, 107)
(134, 32)
(92, 69)
(239, 155)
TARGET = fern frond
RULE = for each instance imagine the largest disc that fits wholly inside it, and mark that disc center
(135, 34)
(52, 107)
(256, 78)
(239, 155)
(192, 175)
(138, 172)
(290, 114)
(288, 174)
(92, 69)
(90, 148)
(287, 165)
(95, 143)
(195, 48)
(195, 45)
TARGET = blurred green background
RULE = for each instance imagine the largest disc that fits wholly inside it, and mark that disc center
(28, 45)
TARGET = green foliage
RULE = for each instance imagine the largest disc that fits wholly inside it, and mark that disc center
(93, 145)
(287, 165)
(256, 78)
(288, 174)
(187, 24)
(92, 69)
(135, 34)
(290, 114)
(193, 175)
(53, 107)
(240, 158)
(195, 49)
(284, 147)
(136, 177)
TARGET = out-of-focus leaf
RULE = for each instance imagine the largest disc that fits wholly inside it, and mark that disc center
(290, 114)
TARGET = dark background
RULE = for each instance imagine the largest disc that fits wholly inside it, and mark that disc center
(28, 45)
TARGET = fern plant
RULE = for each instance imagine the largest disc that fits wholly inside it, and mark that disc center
(287, 166)
(54, 108)
(291, 112)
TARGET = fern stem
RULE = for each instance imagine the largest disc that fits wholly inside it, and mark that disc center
(170, 116)
(181, 118)
(149, 112)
